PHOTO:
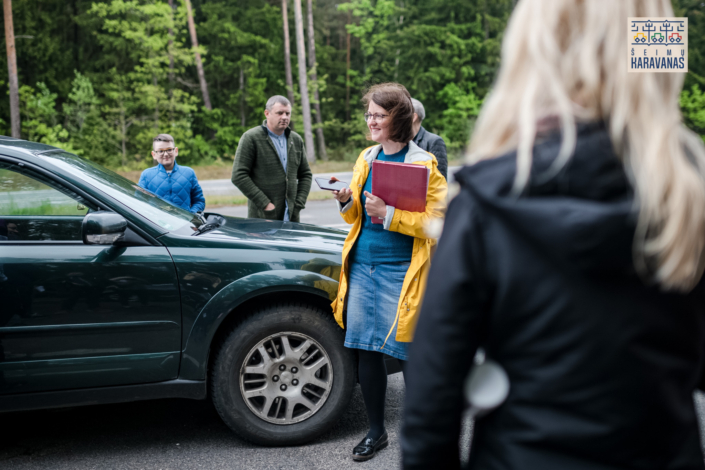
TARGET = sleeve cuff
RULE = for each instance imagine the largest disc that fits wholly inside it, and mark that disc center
(343, 208)
(388, 218)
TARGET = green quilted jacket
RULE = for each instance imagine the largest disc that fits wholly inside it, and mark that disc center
(259, 174)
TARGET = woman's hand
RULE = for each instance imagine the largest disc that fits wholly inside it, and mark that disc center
(343, 195)
(375, 206)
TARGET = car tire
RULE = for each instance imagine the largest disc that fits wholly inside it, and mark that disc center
(258, 419)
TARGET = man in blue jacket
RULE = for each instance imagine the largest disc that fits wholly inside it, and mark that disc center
(171, 182)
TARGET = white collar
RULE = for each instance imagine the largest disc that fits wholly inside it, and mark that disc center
(413, 155)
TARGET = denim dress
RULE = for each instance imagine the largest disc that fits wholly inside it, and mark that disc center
(379, 261)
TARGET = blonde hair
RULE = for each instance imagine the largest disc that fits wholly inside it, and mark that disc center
(568, 59)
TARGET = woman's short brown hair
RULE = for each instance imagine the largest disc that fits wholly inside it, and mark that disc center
(396, 100)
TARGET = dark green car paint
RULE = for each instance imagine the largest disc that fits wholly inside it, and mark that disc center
(73, 306)
(75, 316)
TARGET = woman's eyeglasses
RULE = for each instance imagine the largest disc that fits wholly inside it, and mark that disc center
(375, 117)
(163, 151)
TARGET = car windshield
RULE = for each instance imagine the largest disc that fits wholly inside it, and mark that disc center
(140, 200)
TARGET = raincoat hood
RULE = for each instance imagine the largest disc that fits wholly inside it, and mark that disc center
(584, 215)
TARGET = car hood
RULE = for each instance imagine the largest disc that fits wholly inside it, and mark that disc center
(274, 232)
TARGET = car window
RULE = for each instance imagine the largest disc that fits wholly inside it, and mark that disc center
(33, 208)
(150, 206)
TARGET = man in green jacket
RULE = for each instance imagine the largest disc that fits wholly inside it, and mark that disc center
(270, 166)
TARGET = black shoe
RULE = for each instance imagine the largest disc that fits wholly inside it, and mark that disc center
(368, 447)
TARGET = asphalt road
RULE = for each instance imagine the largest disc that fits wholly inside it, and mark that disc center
(226, 187)
(316, 212)
(184, 434)
(180, 434)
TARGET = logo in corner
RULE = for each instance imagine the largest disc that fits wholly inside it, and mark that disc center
(658, 44)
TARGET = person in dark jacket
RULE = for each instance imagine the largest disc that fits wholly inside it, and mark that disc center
(574, 268)
(270, 166)
(171, 182)
(429, 141)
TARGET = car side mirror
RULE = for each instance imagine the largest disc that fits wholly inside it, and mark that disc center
(103, 228)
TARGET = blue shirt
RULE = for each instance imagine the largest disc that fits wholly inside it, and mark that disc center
(179, 187)
(375, 245)
(279, 142)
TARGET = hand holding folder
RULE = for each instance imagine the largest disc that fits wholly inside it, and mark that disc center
(401, 185)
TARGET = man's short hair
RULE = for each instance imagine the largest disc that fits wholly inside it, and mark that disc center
(162, 138)
(276, 99)
(418, 109)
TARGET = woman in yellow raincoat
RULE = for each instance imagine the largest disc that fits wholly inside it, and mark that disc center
(384, 265)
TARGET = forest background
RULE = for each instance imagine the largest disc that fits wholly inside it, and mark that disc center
(102, 78)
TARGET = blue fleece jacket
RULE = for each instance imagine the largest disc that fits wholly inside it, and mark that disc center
(180, 187)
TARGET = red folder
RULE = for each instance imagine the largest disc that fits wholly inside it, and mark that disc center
(402, 185)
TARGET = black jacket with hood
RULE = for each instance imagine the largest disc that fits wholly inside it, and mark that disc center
(602, 366)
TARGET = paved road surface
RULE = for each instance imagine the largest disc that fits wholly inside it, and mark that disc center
(226, 187)
(184, 434)
(179, 434)
(317, 212)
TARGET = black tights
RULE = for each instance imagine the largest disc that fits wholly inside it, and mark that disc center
(373, 382)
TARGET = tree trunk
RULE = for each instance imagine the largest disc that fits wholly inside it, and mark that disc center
(303, 81)
(347, 73)
(243, 116)
(123, 136)
(287, 54)
(396, 60)
(76, 37)
(199, 63)
(316, 100)
(156, 105)
(12, 70)
(170, 52)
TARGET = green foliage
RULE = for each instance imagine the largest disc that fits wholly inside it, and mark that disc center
(693, 108)
(695, 11)
(142, 100)
(462, 107)
(102, 77)
(39, 117)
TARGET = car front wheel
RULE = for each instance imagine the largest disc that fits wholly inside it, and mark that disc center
(283, 376)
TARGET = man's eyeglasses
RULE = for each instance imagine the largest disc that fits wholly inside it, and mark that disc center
(375, 117)
(163, 151)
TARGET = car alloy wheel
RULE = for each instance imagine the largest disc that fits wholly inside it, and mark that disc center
(286, 378)
(272, 377)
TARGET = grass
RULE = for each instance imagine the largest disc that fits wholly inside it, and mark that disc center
(224, 170)
(45, 208)
(224, 201)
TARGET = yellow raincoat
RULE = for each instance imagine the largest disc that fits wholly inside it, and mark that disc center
(408, 223)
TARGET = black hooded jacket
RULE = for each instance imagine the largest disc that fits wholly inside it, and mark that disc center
(602, 366)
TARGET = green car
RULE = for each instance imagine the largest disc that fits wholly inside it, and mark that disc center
(110, 294)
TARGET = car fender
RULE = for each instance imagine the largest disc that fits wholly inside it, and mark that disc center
(194, 357)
